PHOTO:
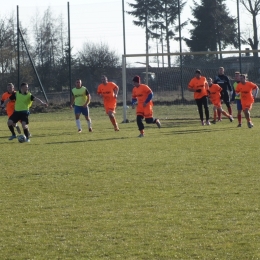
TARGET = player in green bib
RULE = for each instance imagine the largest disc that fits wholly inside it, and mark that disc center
(23, 101)
(81, 99)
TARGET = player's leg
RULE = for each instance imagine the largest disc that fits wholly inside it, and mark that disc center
(206, 108)
(9, 113)
(77, 112)
(13, 119)
(246, 109)
(199, 105)
(239, 112)
(223, 112)
(110, 108)
(226, 100)
(139, 121)
(215, 111)
(148, 114)
(85, 112)
(25, 122)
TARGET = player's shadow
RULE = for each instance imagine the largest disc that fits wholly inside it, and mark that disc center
(84, 141)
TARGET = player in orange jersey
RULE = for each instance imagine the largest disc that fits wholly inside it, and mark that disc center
(142, 96)
(248, 92)
(109, 91)
(236, 98)
(214, 91)
(10, 106)
(199, 86)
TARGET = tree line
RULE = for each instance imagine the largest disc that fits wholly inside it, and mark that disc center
(213, 29)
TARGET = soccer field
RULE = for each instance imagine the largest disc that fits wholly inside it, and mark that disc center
(184, 191)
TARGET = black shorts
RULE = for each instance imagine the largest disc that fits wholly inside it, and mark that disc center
(20, 116)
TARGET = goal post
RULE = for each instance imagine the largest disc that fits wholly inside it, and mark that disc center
(169, 82)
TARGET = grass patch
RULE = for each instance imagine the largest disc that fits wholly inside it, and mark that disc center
(182, 192)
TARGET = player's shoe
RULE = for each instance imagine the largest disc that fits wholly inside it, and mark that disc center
(220, 119)
(231, 119)
(239, 125)
(27, 140)
(250, 124)
(207, 122)
(79, 131)
(202, 123)
(18, 129)
(90, 129)
(141, 135)
(116, 128)
(158, 123)
(213, 122)
(12, 137)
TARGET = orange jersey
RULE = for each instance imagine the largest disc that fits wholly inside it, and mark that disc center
(10, 104)
(201, 84)
(214, 91)
(245, 91)
(141, 93)
(107, 91)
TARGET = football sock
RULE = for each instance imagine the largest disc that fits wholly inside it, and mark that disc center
(215, 115)
(11, 128)
(26, 132)
(89, 123)
(239, 118)
(219, 115)
(230, 110)
(78, 123)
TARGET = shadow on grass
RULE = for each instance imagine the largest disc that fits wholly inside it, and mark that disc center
(83, 141)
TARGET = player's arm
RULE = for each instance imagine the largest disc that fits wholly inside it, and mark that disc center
(116, 90)
(148, 99)
(72, 100)
(35, 98)
(256, 90)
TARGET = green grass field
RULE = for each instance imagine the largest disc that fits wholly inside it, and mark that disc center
(182, 192)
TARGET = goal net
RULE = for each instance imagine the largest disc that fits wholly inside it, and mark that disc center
(168, 76)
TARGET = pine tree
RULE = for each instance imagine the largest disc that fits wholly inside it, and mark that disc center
(214, 29)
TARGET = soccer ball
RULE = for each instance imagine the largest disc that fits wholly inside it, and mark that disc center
(21, 138)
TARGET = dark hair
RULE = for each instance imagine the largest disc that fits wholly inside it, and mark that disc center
(198, 71)
(24, 84)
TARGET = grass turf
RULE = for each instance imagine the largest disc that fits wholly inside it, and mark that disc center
(182, 192)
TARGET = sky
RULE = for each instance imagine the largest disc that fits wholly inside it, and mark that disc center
(99, 21)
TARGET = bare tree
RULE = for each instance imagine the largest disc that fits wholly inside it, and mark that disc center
(253, 7)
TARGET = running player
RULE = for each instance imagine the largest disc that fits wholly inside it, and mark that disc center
(223, 81)
(248, 92)
(10, 106)
(109, 91)
(81, 99)
(237, 99)
(214, 91)
(199, 86)
(142, 96)
(23, 101)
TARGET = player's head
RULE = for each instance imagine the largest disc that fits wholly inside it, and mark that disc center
(10, 88)
(237, 76)
(242, 78)
(24, 87)
(197, 73)
(136, 80)
(221, 70)
(104, 79)
(78, 83)
(209, 81)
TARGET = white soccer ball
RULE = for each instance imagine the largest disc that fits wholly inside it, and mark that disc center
(21, 138)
